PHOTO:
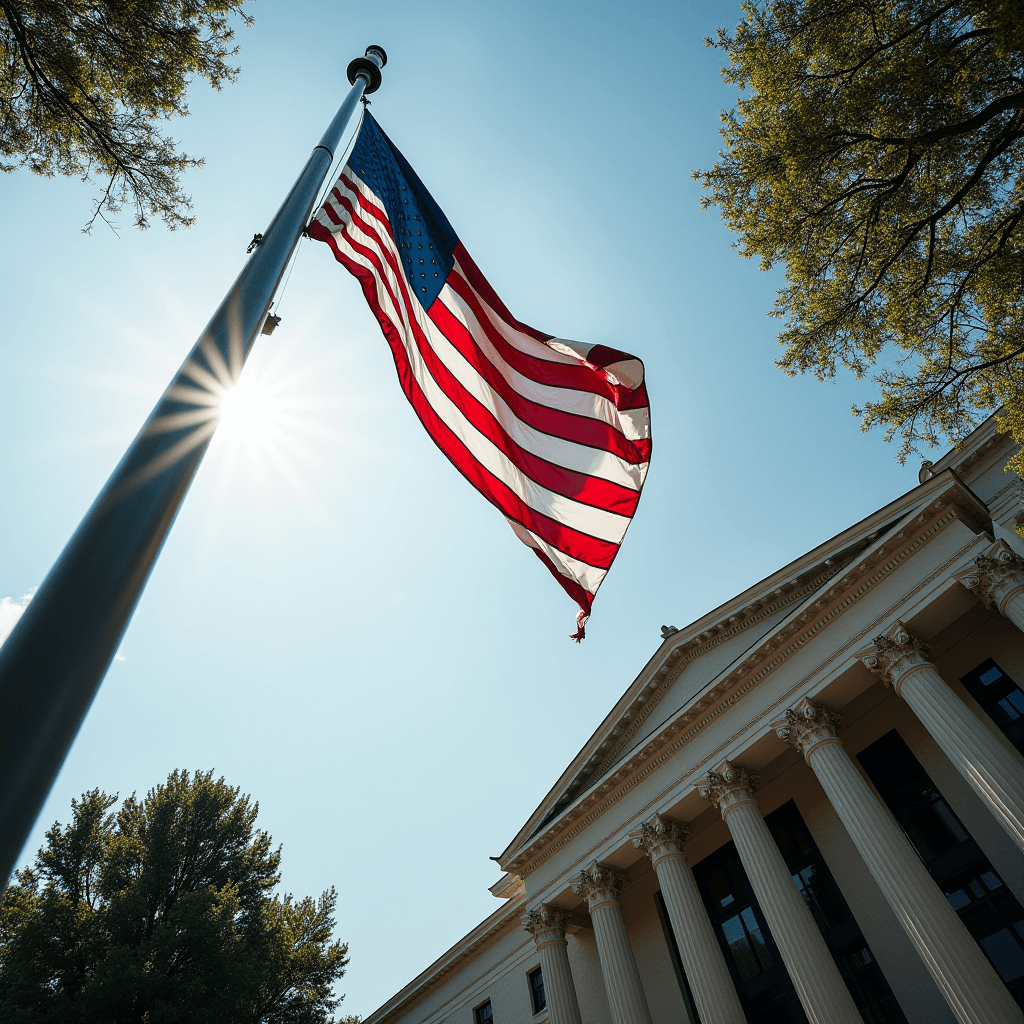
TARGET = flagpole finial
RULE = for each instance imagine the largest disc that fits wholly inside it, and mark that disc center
(369, 68)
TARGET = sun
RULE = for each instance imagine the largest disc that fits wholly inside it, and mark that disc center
(265, 426)
(252, 413)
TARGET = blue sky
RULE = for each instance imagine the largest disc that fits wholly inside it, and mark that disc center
(338, 623)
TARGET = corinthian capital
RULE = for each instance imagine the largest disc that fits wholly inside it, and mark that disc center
(807, 725)
(546, 924)
(658, 837)
(894, 654)
(599, 884)
(995, 576)
(728, 786)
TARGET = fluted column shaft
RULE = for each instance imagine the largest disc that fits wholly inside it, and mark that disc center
(547, 925)
(960, 969)
(987, 764)
(977, 754)
(706, 970)
(821, 989)
(626, 1000)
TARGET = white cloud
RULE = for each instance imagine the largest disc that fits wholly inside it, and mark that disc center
(10, 612)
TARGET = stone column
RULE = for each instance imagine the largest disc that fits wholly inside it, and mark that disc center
(705, 966)
(997, 577)
(991, 769)
(547, 926)
(821, 989)
(601, 886)
(960, 969)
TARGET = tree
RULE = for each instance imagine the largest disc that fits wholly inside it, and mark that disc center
(876, 151)
(84, 83)
(164, 912)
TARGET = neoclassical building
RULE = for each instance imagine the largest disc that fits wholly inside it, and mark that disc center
(808, 806)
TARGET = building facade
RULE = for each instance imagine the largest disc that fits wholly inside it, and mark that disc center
(808, 806)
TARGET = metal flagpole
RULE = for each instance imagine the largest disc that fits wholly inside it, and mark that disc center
(54, 660)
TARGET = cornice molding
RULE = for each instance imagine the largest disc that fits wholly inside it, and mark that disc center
(849, 584)
(508, 887)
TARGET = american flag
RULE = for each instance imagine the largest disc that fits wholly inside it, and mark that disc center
(556, 434)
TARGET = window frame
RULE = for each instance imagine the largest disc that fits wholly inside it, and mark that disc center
(948, 867)
(477, 1019)
(530, 975)
(990, 701)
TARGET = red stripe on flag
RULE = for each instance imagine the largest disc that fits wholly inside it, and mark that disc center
(488, 294)
(371, 208)
(586, 375)
(574, 543)
(585, 430)
(590, 490)
(579, 377)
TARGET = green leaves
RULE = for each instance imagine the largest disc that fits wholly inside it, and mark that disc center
(84, 83)
(165, 912)
(876, 151)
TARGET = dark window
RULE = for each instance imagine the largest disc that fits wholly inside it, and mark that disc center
(482, 1014)
(537, 990)
(1000, 697)
(842, 934)
(974, 890)
(760, 977)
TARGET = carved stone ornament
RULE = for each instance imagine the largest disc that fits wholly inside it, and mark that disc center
(995, 576)
(807, 725)
(895, 653)
(546, 924)
(599, 884)
(658, 837)
(728, 786)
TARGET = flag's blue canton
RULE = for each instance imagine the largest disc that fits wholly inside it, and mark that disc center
(422, 232)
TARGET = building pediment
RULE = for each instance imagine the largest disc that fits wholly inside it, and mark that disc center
(753, 634)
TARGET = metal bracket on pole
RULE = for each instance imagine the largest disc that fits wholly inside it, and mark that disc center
(54, 660)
